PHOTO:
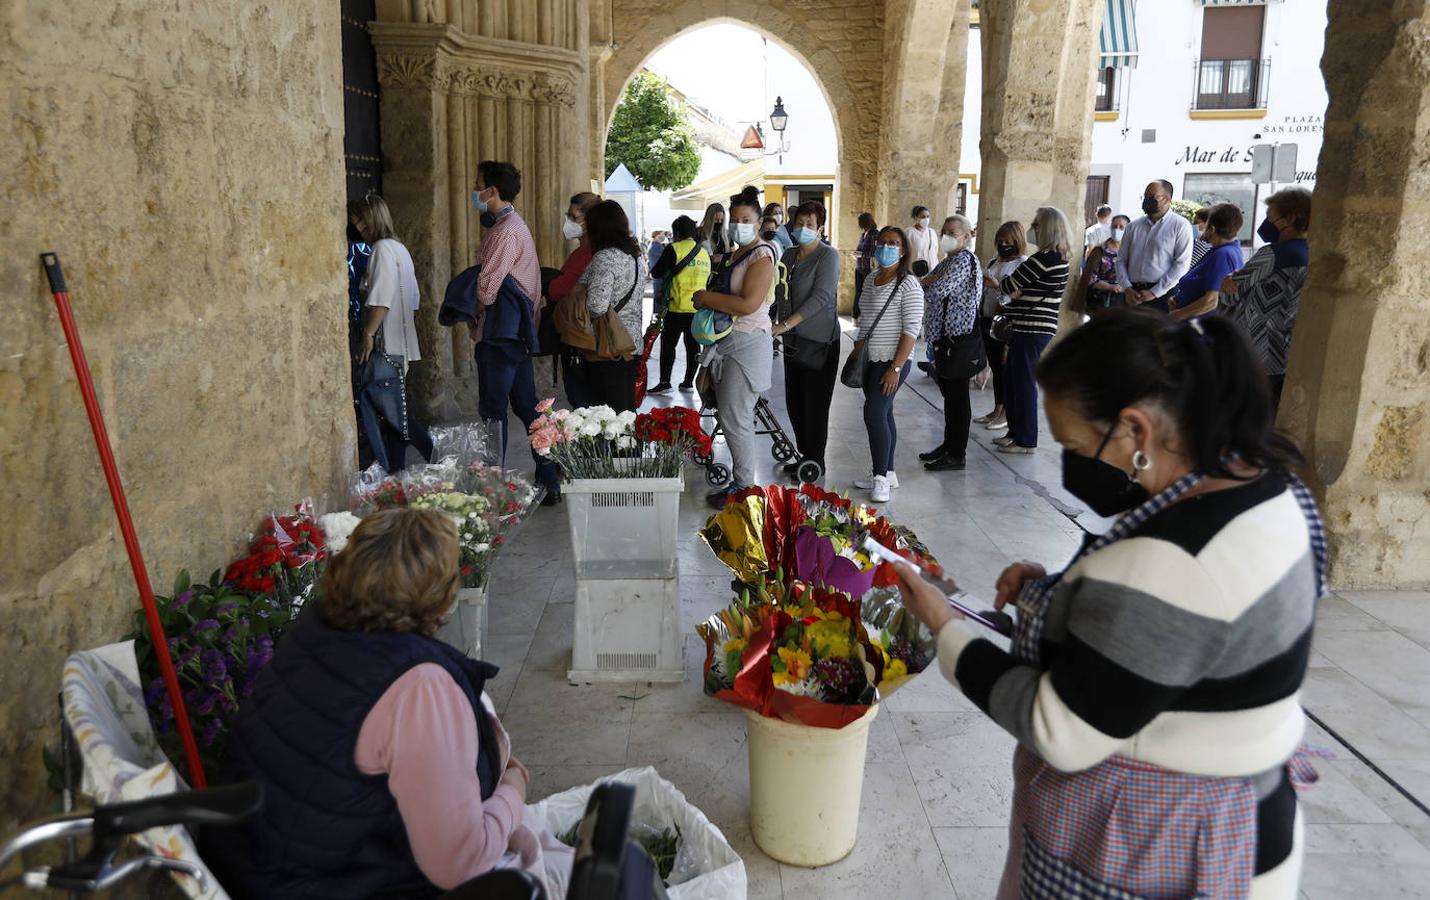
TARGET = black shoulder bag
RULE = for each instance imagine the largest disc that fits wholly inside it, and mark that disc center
(958, 356)
(852, 375)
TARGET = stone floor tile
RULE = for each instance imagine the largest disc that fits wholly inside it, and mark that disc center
(962, 764)
(762, 874)
(1364, 718)
(1334, 613)
(551, 646)
(1402, 610)
(517, 608)
(974, 857)
(1380, 861)
(1335, 800)
(553, 723)
(1411, 775)
(702, 754)
(1390, 664)
(928, 691)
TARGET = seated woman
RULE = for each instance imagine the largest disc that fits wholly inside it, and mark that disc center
(385, 769)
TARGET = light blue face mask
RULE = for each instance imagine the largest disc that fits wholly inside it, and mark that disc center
(743, 233)
(805, 235)
(887, 257)
(477, 202)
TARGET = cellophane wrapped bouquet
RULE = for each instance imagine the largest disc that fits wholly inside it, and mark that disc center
(598, 442)
(486, 502)
(816, 632)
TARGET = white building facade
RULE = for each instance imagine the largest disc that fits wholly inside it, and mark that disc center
(1186, 89)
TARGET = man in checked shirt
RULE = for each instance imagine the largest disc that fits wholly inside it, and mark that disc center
(510, 275)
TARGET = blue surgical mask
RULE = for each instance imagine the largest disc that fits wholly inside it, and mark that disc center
(887, 257)
(743, 232)
(805, 235)
(478, 203)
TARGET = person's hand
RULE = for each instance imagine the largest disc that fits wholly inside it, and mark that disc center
(925, 601)
(1116, 289)
(697, 299)
(1011, 582)
(778, 329)
(517, 776)
(990, 280)
(1016, 295)
(366, 350)
(1228, 286)
(1134, 298)
(890, 381)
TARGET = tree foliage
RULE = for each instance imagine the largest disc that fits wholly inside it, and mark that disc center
(653, 137)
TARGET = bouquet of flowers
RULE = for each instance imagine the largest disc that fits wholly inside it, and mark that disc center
(219, 638)
(817, 633)
(598, 442)
(286, 559)
(474, 529)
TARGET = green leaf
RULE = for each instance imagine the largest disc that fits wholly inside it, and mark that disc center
(181, 583)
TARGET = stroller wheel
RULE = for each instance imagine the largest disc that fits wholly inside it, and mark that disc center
(718, 474)
(809, 472)
(782, 451)
(701, 459)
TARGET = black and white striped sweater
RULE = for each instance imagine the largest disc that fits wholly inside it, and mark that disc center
(1041, 279)
(1183, 645)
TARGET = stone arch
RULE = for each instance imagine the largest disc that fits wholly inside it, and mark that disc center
(835, 50)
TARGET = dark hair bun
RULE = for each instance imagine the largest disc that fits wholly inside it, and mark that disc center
(750, 196)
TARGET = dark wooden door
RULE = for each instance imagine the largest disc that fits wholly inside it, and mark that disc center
(1097, 188)
(362, 148)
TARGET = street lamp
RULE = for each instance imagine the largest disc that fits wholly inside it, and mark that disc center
(779, 121)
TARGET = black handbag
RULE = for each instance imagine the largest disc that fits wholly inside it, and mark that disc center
(852, 375)
(808, 353)
(959, 357)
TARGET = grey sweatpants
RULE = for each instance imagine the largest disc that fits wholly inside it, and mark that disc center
(741, 366)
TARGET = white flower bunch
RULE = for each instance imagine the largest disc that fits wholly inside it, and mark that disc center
(337, 528)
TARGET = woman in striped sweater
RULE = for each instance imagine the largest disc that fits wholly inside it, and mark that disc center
(1037, 289)
(1154, 684)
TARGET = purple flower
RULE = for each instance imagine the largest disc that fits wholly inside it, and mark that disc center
(225, 608)
(155, 692)
(188, 656)
(204, 625)
(205, 706)
(839, 679)
(183, 598)
(232, 634)
(214, 666)
(210, 731)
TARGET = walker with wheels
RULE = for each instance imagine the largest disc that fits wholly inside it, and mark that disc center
(782, 448)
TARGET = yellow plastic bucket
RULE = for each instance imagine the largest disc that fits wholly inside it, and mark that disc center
(805, 785)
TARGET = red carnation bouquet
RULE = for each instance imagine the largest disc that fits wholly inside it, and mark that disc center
(286, 559)
(675, 428)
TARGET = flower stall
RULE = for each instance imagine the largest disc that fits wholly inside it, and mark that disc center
(816, 637)
(624, 477)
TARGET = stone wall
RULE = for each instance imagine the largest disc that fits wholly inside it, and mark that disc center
(188, 170)
(1357, 395)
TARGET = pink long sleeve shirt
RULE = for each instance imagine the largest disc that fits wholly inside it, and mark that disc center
(422, 734)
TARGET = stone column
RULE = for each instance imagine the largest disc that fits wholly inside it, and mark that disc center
(1039, 70)
(504, 85)
(1357, 397)
(926, 43)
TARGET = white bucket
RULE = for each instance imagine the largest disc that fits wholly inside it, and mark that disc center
(805, 784)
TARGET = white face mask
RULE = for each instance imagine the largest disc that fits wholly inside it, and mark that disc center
(570, 229)
(950, 244)
(1117, 234)
(923, 223)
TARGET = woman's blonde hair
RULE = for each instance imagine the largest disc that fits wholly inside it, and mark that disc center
(399, 572)
(963, 222)
(1052, 228)
(1014, 233)
(373, 218)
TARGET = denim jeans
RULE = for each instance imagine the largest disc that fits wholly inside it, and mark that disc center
(505, 376)
(879, 415)
(1021, 387)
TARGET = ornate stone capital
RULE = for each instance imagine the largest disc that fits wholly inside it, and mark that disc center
(441, 58)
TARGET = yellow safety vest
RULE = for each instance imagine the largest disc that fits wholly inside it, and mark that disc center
(690, 279)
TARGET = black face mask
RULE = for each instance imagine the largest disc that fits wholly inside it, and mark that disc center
(1150, 205)
(1007, 251)
(354, 236)
(767, 235)
(1106, 489)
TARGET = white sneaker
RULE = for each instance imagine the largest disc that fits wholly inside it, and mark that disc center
(879, 492)
(867, 484)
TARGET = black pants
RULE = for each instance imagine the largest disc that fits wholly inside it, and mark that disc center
(613, 383)
(808, 395)
(994, 349)
(858, 289)
(676, 328)
(574, 372)
(957, 415)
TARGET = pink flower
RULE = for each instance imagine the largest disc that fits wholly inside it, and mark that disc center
(545, 405)
(541, 442)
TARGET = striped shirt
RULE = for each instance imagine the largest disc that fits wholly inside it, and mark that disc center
(1183, 645)
(1041, 278)
(507, 249)
(905, 315)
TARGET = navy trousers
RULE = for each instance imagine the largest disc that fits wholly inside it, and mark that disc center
(1020, 389)
(505, 377)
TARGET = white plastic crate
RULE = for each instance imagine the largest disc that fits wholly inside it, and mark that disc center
(624, 527)
(627, 629)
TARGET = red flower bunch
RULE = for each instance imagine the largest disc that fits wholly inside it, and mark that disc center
(286, 557)
(673, 425)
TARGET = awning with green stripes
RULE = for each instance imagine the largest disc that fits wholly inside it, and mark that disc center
(1119, 34)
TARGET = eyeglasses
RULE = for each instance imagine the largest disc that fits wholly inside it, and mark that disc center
(895, 244)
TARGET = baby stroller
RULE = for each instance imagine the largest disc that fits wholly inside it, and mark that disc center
(766, 423)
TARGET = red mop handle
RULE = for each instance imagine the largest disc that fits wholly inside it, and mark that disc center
(56, 277)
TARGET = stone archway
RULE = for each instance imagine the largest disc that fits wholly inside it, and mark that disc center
(835, 49)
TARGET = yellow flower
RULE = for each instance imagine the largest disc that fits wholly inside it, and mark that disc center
(735, 645)
(830, 637)
(895, 669)
(796, 666)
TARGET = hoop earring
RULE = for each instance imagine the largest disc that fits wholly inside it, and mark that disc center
(1140, 461)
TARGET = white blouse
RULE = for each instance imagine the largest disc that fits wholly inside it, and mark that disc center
(391, 282)
(905, 315)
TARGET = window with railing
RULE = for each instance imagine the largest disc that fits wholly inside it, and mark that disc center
(1106, 89)
(1230, 83)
